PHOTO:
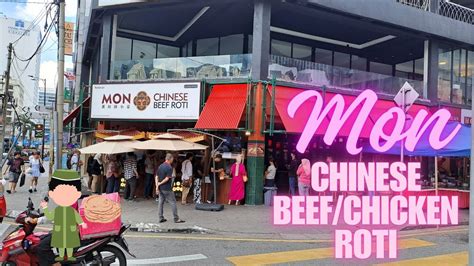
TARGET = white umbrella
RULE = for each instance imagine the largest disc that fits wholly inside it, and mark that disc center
(111, 145)
(167, 142)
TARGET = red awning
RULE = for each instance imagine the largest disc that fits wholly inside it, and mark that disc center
(224, 107)
(283, 96)
(75, 112)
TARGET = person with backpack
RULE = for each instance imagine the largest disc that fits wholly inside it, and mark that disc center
(112, 175)
(16, 167)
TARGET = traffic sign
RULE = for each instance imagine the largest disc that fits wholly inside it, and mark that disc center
(40, 115)
(42, 108)
(408, 95)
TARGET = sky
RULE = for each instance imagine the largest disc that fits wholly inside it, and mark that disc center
(28, 10)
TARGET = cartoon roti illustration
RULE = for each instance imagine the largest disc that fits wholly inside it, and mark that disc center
(99, 209)
(141, 101)
(65, 190)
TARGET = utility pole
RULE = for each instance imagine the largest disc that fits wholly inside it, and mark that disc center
(6, 86)
(60, 91)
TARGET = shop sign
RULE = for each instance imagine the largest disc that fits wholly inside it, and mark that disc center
(466, 116)
(146, 101)
(380, 140)
(68, 37)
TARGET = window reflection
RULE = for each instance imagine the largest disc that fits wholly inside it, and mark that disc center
(302, 52)
(209, 46)
(281, 48)
(381, 68)
(358, 63)
(143, 50)
(165, 51)
(342, 59)
(232, 44)
(323, 56)
(444, 75)
(123, 48)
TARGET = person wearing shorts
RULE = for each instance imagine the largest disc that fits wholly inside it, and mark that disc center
(16, 167)
(35, 162)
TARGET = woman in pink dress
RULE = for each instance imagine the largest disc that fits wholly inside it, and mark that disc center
(237, 189)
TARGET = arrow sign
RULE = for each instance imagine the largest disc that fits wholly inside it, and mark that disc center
(408, 95)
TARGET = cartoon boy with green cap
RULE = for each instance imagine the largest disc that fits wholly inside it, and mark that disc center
(65, 190)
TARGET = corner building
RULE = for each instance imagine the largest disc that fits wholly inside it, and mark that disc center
(240, 59)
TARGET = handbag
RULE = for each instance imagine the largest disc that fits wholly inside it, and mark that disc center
(41, 167)
(22, 179)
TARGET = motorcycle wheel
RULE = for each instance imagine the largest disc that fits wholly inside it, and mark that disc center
(108, 252)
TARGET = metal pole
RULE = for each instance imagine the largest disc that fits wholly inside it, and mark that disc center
(60, 90)
(6, 86)
(214, 171)
(471, 196)
(44, 120)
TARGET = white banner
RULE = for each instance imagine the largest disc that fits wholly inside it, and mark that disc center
(146, 101)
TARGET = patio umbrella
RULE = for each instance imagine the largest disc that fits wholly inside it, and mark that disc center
(167, 142)
(111, 145)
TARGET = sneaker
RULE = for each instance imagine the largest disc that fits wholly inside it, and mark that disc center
(30, 190)
(9, 191)
(208, 201)
(163, 220)
(179, 221)
(34, 190)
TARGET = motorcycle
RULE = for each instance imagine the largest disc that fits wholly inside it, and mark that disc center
(22, 246)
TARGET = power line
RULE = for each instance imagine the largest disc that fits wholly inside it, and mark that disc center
(43, 14)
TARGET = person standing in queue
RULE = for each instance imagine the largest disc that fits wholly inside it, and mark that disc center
(218, 171)
(164, 186)
(112, 175)
(304, 177)
(150, 170)
(270, 173)
(292, 167)
(35, 165)
(186, 177)
(131, 175)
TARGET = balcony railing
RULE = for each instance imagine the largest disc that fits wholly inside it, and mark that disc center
(198, 67)
(306, 72)
(444, 8)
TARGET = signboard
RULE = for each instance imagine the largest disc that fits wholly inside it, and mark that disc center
(466, 116)
(146, 101)
(40, 115)
(68, 37)
(410, 96)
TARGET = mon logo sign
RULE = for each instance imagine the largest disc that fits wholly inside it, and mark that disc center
(379, 140)
(117, 98)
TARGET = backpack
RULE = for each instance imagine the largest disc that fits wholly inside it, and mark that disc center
(68, 162)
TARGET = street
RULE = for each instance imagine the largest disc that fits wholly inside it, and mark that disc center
(243, 236)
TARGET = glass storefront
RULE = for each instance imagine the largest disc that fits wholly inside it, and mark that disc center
(455, 75)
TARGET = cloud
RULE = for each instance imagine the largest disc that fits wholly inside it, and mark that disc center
(49, 71)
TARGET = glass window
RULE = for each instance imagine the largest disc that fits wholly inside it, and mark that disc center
(250, 44)
(208, 46)
(381, 68)
(342, 59)
(404, 70)
(302, 52)
(232, 44)
(143, 50)
(459, 76)
(123, 49)
(281, 48)
(444, 75)
(419, 69)
(167, 51)
(323, 56)
(469, 77)
(358, 63)
(190, 49)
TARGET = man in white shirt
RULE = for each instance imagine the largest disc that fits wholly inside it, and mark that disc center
(186, 177)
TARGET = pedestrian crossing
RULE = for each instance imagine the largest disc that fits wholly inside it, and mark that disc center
(452, 259)
(309, 254)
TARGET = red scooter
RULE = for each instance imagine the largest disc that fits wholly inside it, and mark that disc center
(23, 246)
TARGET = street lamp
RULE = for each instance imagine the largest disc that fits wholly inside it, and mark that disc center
(44, 104)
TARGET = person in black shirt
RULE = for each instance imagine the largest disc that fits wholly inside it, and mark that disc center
(292, 167)
(218, 171)
(164, 188)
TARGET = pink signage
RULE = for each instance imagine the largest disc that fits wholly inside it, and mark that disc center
(362, 106)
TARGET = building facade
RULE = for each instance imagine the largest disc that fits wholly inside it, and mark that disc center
(10, 31)
(253, 52)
